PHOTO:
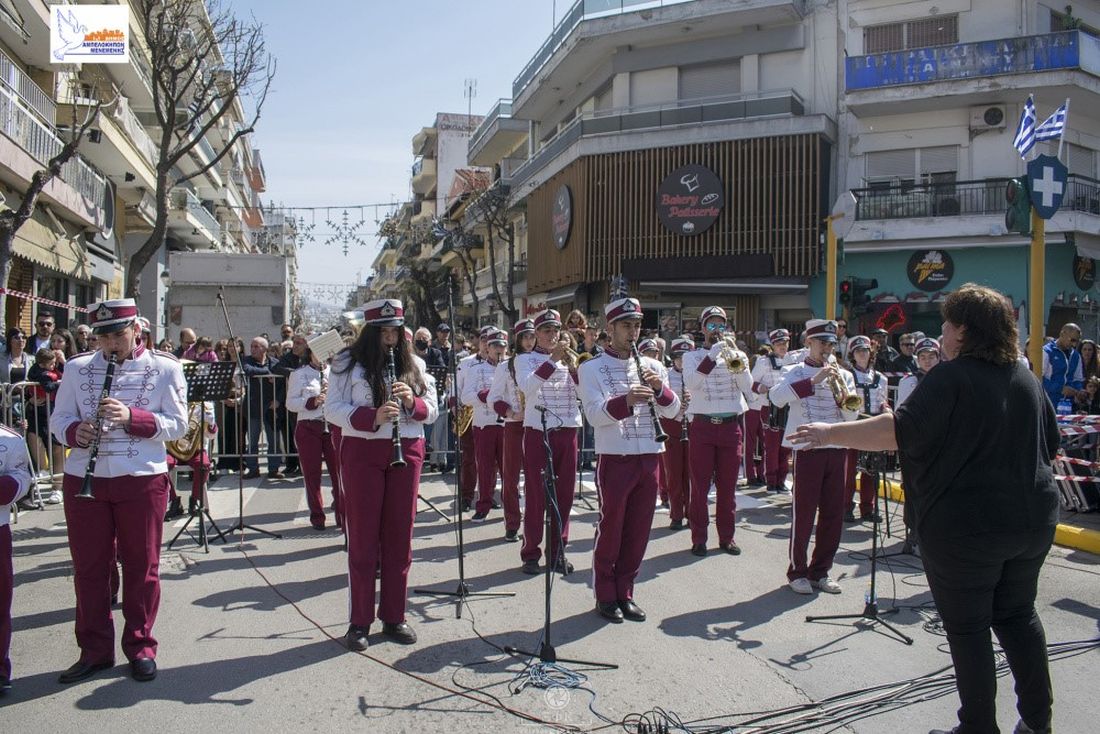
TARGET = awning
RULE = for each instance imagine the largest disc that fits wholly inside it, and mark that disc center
(563, 295)
(746, 286)
(43, 246)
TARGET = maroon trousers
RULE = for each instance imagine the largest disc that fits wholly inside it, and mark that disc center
(512, 465)
(131, 511)
(818, 491)
(755, 420)
(563, 447)
(675, 460)
(314, 445)
(628, 492)
(490, 461)
(468, 479)
(200, 470)
(714, 452)
(7, 585)
(379, 509)
(866, 486)
(777, 458)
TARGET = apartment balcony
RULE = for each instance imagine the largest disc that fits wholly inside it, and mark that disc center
(119, 146)
(423, 143)
(424, 176)
(592, 30)
(976, 73)
(191, 222)
(496, 136)
(627, 123)
(423, 212)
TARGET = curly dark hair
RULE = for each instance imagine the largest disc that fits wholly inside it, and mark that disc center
(367, 351)
(989, 321)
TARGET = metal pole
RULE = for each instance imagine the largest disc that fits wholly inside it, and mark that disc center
(830, 267)
(1035, 293)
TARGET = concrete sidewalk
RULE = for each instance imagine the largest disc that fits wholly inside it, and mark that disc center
(247, 632)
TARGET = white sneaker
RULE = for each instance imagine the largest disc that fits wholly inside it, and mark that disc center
(827, 585)
(801, 586)
(54, 498)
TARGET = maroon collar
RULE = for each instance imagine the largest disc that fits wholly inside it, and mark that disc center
(539, 350)
(813, 363)
(612, 353)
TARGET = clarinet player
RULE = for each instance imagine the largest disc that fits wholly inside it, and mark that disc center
(379, 494)
(130, 485)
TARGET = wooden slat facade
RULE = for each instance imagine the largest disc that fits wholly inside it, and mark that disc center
(774, 205)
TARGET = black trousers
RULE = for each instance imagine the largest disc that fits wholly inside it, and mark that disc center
(985, 582)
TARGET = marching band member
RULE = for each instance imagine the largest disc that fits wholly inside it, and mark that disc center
(756, 419)
(811, 390)
(468, 440)
(623, 404)
(504, 396)
(765, 376)
(130, 485)
(15, 482)
(306, 392)
(547, 379)
(928, 356)
(676, 448)
(648, 347)
(872, 386)
(199, 463)
(718, 400)
(488, 427)
(379, 498)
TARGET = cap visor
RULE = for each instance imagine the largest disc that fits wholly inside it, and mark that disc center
(111, 328)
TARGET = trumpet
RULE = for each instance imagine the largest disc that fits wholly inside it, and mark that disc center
(844, 399)
(735, 359)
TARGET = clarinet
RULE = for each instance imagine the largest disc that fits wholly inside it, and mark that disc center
(659, 434)
(86, 492)
(684, 422)
(398, 453)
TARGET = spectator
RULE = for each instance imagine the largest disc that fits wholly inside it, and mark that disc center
(221, 350)
(293, 357)
(591, 339)
(443, 342)
(80, 336)
(460, 350)
(47, 374)
(576, 324)
(41, 337)
(886, 354)
(202, 350)
(262, 401)
(1089, 361)
(63, 343)
(1088, 400)
(164, 345)
(229, 416)
(286, 332)
(14, 365)
(603, 340)
(905, 362)
(1063, 375)
(187, 338)
(841, 350)
(422, 343)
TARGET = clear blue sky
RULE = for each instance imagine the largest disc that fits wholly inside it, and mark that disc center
(357, 79)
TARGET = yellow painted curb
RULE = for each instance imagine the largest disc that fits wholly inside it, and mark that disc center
(1068, 536)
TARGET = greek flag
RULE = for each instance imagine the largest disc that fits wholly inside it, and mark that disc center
(1053, 126)
(1025, 131)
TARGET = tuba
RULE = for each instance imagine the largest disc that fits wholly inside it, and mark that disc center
(464, 419)
(184, 449)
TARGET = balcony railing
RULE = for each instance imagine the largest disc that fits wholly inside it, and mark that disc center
(42, 143)
(679, 112)
(131, 125)
(185, 199)
(582, 10)
(961, 198)
(1021, 55)
(502, 109)
(16, 81)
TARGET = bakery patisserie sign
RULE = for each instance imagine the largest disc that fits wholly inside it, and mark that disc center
(689, 200)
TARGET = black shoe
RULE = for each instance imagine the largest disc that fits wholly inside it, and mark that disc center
(252, 474)
(756, 482)
(850, 516)
(665, 504)
(512, 536)
(193, 506)
(399, 632)
(479, 517)
(944, 731)
(114, 600)
(676, 525)
(870, 516)
(563, 566)
(143, 670)
(467, 505)
(531, 568)
(356, 638)
(175, 509)
(632, 611)
(732, 548)
(81, 670)
(495, 505)
(276, 475)
(699, 549)
(610, 611)
(5, 686)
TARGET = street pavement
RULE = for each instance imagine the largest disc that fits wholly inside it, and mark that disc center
(248, 633)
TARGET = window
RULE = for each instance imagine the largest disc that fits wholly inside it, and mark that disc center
(710, 80)
(1080, 160)
(909, 166)
(937, 31)
(1066, 22)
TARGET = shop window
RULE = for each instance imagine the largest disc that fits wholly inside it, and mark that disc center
(55, 289)
(939, 31)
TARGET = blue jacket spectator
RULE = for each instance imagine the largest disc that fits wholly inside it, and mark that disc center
(1063, 374)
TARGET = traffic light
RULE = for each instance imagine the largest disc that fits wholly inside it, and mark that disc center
(860, 300)
(846, 292)
(1018, 214)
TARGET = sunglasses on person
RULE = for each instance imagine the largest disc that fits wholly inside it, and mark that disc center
(718, 327)
(909, 344)
(842, 326)
(45, 323)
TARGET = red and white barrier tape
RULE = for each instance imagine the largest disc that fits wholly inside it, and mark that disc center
(1079, 419)
(39, 299)
(1069, 430)
(1074, 478)
(1079, 462)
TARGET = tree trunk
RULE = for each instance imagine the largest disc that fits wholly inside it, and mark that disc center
(153, 243)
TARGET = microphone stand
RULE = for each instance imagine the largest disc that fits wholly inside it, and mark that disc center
(462, 593)
(871, 611)
(240, 524)
(546, 652)
(580, 465)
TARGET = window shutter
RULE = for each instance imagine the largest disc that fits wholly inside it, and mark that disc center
(944, 159)
(891, 164)
(710, 80)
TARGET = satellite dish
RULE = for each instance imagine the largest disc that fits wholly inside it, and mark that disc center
(844, 213)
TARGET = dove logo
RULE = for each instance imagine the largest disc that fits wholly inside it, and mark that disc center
(90, 33)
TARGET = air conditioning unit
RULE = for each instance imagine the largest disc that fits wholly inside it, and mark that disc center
(990, 117)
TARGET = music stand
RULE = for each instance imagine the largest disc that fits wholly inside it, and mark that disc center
(211, 381)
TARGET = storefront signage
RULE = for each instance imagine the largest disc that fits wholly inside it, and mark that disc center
(1084, 272)
(689, 200)
(561, 219)
(930, 270)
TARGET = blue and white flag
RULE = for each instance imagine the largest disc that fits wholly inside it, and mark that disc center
(1025, 131)
(1053, 126)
